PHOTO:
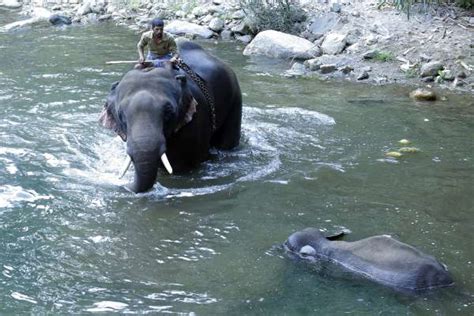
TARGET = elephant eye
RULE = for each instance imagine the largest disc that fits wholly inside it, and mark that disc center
(168, 112)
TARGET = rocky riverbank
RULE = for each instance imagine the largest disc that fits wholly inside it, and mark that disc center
(340, 40)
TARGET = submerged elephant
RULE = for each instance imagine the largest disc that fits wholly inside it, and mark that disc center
(379, 258)
(163, 113)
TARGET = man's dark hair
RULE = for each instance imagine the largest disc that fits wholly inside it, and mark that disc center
(157, 22)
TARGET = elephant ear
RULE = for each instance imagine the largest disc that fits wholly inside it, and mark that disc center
(188, 104)
(107, 117)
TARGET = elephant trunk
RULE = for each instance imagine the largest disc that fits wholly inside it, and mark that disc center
(145, 155)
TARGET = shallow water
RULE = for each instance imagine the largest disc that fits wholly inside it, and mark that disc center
(312, 154)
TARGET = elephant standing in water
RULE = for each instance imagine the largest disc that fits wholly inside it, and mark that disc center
(379, 258)
(162, 114)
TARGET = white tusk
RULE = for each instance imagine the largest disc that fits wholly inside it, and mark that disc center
(127, 165)
(166, 163)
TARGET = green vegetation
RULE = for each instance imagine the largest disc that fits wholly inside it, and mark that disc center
(184, 5)
(412, 72)
(127, 4)
(384, 56)
(279, 15)
(406, 5)
(465, 4)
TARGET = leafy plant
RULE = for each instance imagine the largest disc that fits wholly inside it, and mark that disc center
(406, 5)
(411, 73)
(383, 56)
(279, 15)
(465, 4)
(127, 4)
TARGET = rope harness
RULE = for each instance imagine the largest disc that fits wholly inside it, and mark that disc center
(202, 85)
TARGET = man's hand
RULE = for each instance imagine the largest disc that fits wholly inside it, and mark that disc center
(174, 59)
(141, 60)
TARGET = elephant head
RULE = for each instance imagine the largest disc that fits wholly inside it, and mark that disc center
(145, 109)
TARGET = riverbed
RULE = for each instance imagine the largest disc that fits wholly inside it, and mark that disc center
(208, 242)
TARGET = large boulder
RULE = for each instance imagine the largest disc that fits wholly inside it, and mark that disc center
(38, 16)
(57, 19)
(281, 45)
(217, 25)
(334, 43)
(186, 28)
(10, 4)
(431, 69)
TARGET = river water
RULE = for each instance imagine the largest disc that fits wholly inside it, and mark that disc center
(312, 154)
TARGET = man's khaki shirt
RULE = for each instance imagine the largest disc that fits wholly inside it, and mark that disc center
(165, 46)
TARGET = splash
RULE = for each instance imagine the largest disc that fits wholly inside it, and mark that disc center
(268, 134)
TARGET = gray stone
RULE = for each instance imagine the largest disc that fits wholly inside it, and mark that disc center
(216, 24)
(226, 35)
(207, 19)
(297, 69)
(428, 79)
(354, 48)
(242, 28)
(334, 43)
(105, 17)
(180, 14)
(244, 38)
(363, 75)
(327, 68)
(461, 75)
(423, 94)
(355, 13)
(312, 64)
(446, 75)
(323, 23)
(186, 28)
(431, 69)
(84, 9)
(238, 15)
(353, 36)
(11, 4)
(346, 69)
(199, 11)
(370, 54)
(425, 58)
(371, 40)
(336, 7)
(458, 82)
(39, 16)
(281, 45)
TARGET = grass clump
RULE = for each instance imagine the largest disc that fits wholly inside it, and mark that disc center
(384, 56)
(406, 5)
(278, 15)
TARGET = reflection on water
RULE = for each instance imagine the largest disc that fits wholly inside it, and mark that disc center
(312, 154)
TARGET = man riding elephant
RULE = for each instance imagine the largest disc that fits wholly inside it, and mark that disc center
(161, 47)
(170, 118)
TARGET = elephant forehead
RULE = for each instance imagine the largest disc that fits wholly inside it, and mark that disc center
(158, 79)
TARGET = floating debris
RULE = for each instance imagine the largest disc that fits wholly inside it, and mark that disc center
(409, 150)
(404, 141)
(393, 154)
(423, 95)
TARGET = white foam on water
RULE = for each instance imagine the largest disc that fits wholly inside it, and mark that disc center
(13, 151)
(10, 195)
(267, 134)
(107, 306)
(53, 161)
(22, 297)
